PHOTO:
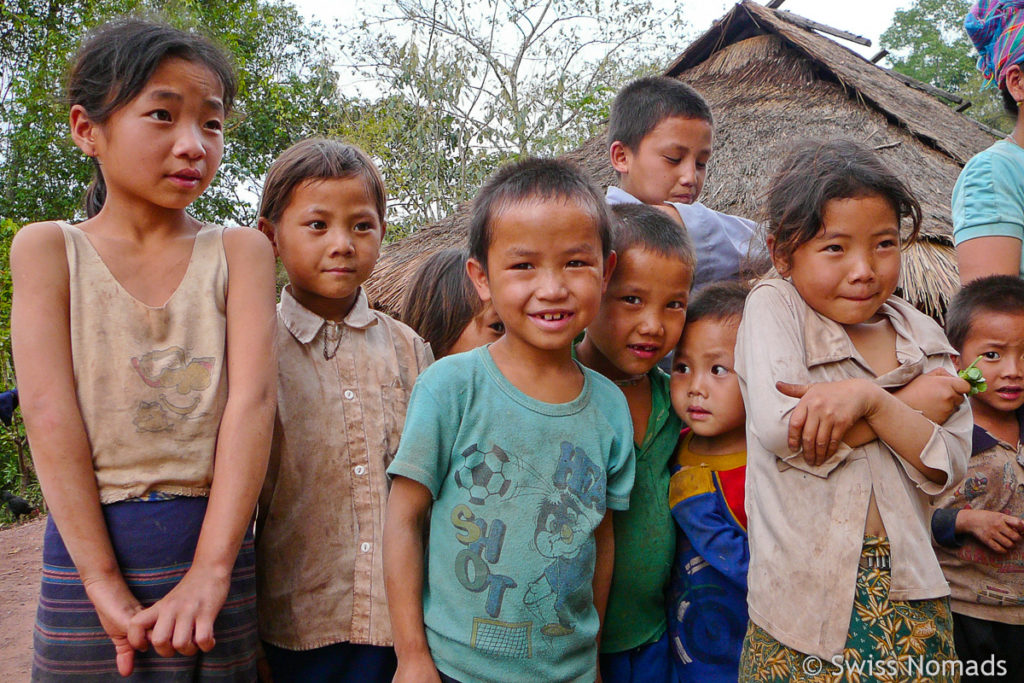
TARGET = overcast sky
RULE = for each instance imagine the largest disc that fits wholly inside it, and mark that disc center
(868, 18)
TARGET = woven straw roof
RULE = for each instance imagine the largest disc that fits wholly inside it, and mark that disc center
(770, 82)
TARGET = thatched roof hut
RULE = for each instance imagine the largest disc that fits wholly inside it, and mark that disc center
(771, 80)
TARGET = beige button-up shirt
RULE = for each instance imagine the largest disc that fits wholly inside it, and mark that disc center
(806, 523)
(342, 395)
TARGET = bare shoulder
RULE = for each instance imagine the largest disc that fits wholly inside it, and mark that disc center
(247, 242)
(39, 247)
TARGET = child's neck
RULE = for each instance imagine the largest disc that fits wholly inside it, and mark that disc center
(544, 375)
(1000, 424)
(875, 340)
(637, 388)
(726, 443)
(137, 221)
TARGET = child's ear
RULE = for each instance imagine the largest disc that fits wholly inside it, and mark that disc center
(267, 228)
(620, 156)
(609, 268)
(958, 362)
(478, 276)
(83, 130)
(781, 264)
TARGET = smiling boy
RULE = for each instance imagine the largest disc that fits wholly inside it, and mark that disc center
(639, 322)
(977, 526)
(512, 454)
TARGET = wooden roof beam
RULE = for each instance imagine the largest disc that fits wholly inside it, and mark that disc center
(803, 22)
(925, 87)
(775, 4)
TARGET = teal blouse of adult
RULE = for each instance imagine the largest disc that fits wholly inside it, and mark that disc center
(988, 198)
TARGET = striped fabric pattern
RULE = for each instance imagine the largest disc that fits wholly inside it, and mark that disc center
(997, 29)
(154, 543)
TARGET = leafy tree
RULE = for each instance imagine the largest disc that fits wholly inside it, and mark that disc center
(464, 86)
(927, 41)
(287, 91)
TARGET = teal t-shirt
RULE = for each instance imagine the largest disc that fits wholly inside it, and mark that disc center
(519, 486)
(645, 534)
(988, 198)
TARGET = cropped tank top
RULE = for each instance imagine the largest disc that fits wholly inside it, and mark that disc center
(151, 381)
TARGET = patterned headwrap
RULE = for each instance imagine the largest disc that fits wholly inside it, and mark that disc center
(997, 29)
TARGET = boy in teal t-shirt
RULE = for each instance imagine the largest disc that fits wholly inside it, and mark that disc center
(639, 323)
(513, 454)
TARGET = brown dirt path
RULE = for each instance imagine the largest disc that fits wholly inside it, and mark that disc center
(21, 559)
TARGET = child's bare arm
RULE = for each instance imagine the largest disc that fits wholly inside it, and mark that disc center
(41, 339)
(604, 564)
(997, 531)
(183, 620)
(404, 526)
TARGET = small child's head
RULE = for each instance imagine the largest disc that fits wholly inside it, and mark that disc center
(441, 304)
(540, 251)
(705, 388)
(834, 216)
(323, 209)
(644, 308)
(985, 321)
(660, 133)
(148, 104)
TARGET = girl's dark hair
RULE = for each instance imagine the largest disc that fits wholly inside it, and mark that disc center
(814, 174)
(318, 159)
(117, 60)
(440, 301)
(1010, 104)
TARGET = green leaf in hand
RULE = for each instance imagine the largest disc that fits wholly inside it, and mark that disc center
(974, 377)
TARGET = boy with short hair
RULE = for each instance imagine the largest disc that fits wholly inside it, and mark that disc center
(514, 453)
(977, 526)
(708, 596)
(639, 322)
(345, 372)
(660, 137)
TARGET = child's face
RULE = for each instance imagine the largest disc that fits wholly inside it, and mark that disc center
(484, 328)
(705, 388)
(165, 145)
(669, 164)
(545, 272)
(643, 311)
(851, 267)
(999, 339)
(328, 240)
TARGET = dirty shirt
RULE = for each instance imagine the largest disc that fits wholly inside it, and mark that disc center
(519, 487)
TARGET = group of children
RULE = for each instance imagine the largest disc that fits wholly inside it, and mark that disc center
(529, 506)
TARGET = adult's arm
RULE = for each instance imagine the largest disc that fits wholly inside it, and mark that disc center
(993, 255)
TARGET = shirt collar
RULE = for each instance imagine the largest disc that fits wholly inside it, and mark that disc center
(616, 195)
(982, 440)
(827, 342)
(304, 324)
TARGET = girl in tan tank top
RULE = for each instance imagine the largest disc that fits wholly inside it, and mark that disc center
(144, 353)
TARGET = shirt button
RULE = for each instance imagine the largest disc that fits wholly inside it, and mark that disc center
(360, 470)
(349, 394)
(365, 547)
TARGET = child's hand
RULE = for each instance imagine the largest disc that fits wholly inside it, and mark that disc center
(115, 605)
(182, 621)
(416, 669)
(825, 413)
(997, 531)
(936, 394)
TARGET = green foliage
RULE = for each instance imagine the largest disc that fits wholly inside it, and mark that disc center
(927, 41)
(281, 62)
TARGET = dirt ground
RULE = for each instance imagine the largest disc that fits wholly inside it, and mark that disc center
(21, 558)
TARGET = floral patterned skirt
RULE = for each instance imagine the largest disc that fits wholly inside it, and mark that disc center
(888, 640)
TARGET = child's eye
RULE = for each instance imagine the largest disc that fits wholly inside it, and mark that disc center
(672, 160)
(364, 227)
(631, 300)
(677, 305)
(318, 225)
(681, 368)
(833, 249)
(522, 266)
(215, 124)
(498, 327)
(160, 115)
(577, 263)
(719, 370)
(888, 244)
(990, 355)
(702, 164)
